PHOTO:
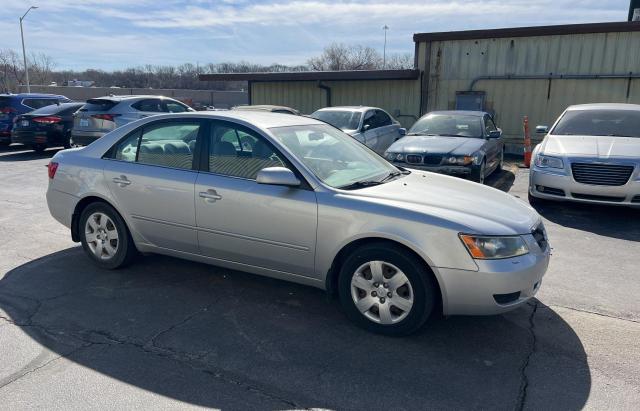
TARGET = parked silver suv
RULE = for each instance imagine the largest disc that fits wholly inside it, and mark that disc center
(104, 114)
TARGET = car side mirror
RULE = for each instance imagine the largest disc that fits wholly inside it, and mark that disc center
(366, 127)
(542, 129)
(495, 133)
(402, 131)
(277, 176)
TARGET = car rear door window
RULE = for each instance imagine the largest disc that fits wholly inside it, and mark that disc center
(173, 107)
(238, 152)
(382, 118)
(36, 103)
(149, 105)
(169, 144)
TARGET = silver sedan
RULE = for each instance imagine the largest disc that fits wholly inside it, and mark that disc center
(591, 155)
(296, 199)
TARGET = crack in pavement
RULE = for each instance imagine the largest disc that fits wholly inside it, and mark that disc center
(524, 382)
(196, 362)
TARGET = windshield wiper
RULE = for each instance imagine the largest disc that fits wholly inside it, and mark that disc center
(391, 176)
(360, 184)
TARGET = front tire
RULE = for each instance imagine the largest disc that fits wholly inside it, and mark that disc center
(105, 237)
(386, 289)
(479, 173)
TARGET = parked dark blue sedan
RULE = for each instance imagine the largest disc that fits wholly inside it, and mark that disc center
(463, 143)
(12, 105)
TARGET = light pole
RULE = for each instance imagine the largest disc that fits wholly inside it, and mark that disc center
(24, 54)
(384, 50)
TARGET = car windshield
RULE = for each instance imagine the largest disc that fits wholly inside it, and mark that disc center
(617, 123)
(343, 119)
(333, 156)
(456, 125)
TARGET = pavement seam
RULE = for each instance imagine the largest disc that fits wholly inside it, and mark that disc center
(524, 384)
(594, 313)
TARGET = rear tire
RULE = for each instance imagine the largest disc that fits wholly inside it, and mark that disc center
(39, 148)
(105, 236)
(387, 290)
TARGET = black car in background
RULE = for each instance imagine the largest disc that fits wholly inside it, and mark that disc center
(49, 126)
(463, 143)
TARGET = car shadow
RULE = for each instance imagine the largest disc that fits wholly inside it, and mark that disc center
(610, 221)
(22, 153)
(178, 328)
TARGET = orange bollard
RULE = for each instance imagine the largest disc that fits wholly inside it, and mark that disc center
(527, 143)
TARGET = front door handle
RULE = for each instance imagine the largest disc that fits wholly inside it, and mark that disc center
(210, 195)
(121, 181)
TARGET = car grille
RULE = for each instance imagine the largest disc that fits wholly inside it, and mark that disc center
(601, 174)
(433, 159)
(538, 235)
(414, 159)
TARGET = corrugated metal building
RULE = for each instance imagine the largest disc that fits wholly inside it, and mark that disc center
(533, 71)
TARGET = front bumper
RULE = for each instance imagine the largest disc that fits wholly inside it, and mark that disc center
(555, 185)
(449, 170)
(498, 286)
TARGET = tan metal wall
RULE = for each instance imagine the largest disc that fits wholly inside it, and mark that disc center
(453, 64)
(221, 99)
(399, 97)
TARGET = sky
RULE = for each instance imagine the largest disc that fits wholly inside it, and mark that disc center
(115, 34)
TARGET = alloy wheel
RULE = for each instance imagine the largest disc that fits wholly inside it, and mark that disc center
(101, 236)
(382, 292)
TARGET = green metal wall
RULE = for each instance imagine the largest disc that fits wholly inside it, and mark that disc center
(399, 97)
(452, 65)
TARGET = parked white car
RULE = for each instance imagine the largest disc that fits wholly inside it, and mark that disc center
(591, 154)
(372, 126)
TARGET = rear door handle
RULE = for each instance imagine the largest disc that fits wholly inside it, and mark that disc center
(210, 195)
(121, 181)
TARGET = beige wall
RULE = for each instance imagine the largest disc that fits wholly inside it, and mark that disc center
(394, 96)
(221, 99)
(453, 64)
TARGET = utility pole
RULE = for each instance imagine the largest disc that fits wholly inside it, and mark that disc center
(384, 50)
(24, 54)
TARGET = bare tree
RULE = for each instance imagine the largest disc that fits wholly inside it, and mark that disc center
(399, 61)
(337, 57)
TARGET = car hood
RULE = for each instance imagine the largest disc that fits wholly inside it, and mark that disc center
(436, 144)
(459, 204)
(593, 146)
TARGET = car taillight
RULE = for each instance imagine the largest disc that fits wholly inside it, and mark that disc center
(109, 117)
(47, 120)
(7, 110)
(53, 167)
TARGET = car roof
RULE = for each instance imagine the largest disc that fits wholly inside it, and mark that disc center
(33, 95)
(465, 112)
(604, 106)
(261, 119)
(264, 107)
(130, 97)
(350, 108)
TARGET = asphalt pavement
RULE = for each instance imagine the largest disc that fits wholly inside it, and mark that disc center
(166, 333)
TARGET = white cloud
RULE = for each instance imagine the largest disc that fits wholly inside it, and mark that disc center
(121, 33)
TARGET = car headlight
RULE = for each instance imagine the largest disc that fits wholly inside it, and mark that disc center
(543, 161)
(459, 160)
(490, 247)
(394, 156)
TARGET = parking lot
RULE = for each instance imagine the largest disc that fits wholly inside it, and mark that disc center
(166, 333)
